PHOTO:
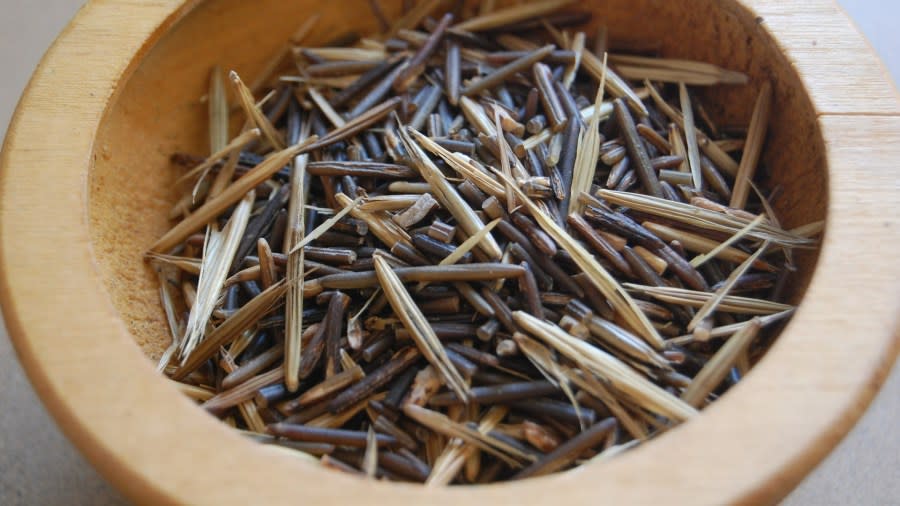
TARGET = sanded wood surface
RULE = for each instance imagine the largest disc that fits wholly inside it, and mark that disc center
(82, 189)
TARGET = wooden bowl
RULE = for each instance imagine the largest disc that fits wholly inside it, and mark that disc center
(86, 185)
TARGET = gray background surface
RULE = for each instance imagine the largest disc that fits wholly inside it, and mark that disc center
(38, 465)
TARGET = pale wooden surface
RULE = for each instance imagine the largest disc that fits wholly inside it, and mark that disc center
(843, 157)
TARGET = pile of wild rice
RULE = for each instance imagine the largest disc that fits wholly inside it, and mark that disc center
(455, 254)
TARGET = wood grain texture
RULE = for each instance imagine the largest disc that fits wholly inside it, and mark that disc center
(83, 187)
(839, 69)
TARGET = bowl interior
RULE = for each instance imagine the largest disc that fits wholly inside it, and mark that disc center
(157, 111)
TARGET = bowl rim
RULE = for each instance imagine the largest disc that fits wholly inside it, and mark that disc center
(748, 447)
